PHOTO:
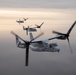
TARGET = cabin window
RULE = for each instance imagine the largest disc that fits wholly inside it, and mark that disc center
(50, 46)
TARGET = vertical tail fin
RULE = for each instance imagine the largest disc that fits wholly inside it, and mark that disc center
(17, 39)
(69, 31)
(25, 19)
(23, 28)
(31, 36)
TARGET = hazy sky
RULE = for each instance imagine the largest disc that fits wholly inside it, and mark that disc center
(57, 15)
(38, 3)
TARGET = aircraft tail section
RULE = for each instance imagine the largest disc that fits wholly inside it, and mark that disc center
(23, 28)
(17, 40)
(31, 36)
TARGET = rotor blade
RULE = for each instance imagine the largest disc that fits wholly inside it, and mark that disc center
(41, 24)
(17, 36)
(57, 33)
(37, 36)
(36, 25)
(71, 28)
(26, 56)
(69, 46)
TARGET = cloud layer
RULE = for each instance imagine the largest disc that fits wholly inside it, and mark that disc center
(38, 3)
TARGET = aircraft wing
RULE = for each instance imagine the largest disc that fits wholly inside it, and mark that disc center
(52, 38)
(55, 37)
(37, 41)
(46, 40)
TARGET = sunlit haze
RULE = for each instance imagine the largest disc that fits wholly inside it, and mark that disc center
(58, 15)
